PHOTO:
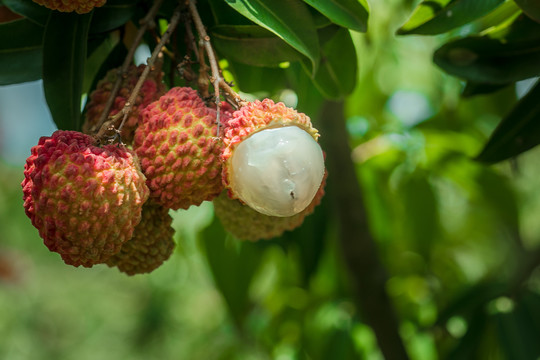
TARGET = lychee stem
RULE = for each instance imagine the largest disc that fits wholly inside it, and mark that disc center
(175, 19)
(146, 22)
(205, 40)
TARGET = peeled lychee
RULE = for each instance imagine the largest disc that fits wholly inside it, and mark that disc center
(79, 6)
(272, 161)
(84, 200)
(247, 224)
(179, 151)
(152, 88)
(151, 245)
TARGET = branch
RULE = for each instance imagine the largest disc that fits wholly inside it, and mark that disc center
(146, 22)
(359, 250)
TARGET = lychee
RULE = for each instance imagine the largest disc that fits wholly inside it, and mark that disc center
(84, 200)
(152, 88)
(247, 224)
(151, 245)
(272, 161)
(79, 6)
(179, 151)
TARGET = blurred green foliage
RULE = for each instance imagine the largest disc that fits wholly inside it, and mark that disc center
(460, 239)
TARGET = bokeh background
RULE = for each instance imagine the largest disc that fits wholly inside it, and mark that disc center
(456, 238)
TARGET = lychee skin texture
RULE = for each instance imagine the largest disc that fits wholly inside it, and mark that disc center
(151, 90)
(179, 152)
(152, 243)
(84, 200)
(79, 6)
(280, 170)
(244, 223)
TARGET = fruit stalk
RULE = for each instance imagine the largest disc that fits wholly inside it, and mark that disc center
(150, 63)
(146, 22)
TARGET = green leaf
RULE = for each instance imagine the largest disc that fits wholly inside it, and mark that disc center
(531, 8)
(491, 61)
(336, 77)
(29, 9)
(438, 16)
(233, 264)
(20, 51)
(253, 79)
(517, 334)
(474, 88)
(252, 45)
(519, 131)
(64, 54)
(347, 13)
(112, 15)
(288, 19)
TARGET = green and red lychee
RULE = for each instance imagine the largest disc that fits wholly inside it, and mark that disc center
(272, 161)
(84, 200)
(179, 152)
(244, 223)
(79, 6)
(151, 89)
(152, 242)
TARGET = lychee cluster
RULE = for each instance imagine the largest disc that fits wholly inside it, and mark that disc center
(79, 6)
(87, 200)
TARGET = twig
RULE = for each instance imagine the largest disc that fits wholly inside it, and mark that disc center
(149, 64)
(205, 39)
(146, 22)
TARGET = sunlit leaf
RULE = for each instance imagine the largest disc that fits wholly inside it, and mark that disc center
(64, 55)
(519, 131)
(347, 13)
(20, 51)
(492, 61)
(288, 19)
(337, 73)
(252, 45)
(233, 265)
(29, 9)
(531, 8)
(438, 16)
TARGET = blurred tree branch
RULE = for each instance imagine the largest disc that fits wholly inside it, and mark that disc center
(359, 249)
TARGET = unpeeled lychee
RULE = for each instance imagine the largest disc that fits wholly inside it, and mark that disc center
(79, 6)
(151, 89)
(151, 245)
(247, 224)
(272, 161)
(179, 151)
(84, 200)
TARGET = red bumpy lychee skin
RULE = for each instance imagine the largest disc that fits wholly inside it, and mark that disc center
(179, 152)
(79, 6)
(151, 90)
(244, 223)
(257, 116)
(152, 242)
(84, 200)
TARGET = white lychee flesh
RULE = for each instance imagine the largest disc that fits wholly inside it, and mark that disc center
(277, 171)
